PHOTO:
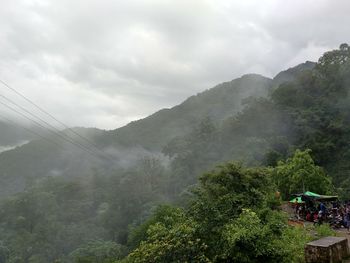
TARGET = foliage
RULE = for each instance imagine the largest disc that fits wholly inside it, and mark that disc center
(248, 239)
(292, 244)
(55, 217)
(222, 224)
(221, 196)
(41, 223)
(98, 251)
(177, 244)
(307, 108)
(324, 230)
(4, 253)
(299, 173)
(165, 214)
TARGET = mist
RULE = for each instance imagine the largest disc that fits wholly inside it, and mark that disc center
(4, 148)
(152, 131)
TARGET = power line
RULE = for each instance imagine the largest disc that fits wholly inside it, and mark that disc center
(46, 123)
(53, 132)
(7, 120)
(52, 117)
(48, 114)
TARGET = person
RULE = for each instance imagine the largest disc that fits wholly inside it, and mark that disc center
(300, 212)
(309, 216)
(345, 221)
(347, 218)
(296, 212)
(323, 208)
(303, 211)
(315, 217)
(320, 217)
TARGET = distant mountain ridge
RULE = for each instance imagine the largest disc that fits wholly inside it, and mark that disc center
(39, 158)
(217, 103)
(291, 73)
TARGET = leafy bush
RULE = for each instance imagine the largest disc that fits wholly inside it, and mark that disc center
(177, 244)
(292, 243)
(300, 172)
(324, 230)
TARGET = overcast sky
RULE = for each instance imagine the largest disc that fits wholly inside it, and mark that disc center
(103, 63)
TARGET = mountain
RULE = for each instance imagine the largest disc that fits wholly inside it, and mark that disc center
(218, 103)
(292, 73)
(285, 137)
(11, 136)
(40, 158)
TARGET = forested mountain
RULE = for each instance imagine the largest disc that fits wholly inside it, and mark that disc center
(218, 103)
(292, 73)
(257, 121)
(127, 144)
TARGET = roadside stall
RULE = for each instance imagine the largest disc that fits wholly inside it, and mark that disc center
(313, 207)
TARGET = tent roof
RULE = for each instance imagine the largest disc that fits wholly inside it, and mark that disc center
(327, 198)
(308, 193)
(297, 200)
(313, 196)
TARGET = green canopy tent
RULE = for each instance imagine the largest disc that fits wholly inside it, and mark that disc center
(311, 194)
(327, 198)
(297, 200)
(298, 197)
(314, 197)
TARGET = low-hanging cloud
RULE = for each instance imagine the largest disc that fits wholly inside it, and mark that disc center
(104, 63)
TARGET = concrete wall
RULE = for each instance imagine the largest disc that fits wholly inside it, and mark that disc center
(327, 250)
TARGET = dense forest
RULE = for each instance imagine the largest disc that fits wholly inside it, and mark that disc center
(195, 183)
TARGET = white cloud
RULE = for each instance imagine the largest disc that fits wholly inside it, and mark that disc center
(103, 63)
(10, 147)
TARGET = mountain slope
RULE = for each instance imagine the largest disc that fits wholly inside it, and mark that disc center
(292, 73)
(310, 112)
(127, 144)
(217, 103)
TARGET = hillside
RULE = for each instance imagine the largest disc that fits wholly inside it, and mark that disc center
(218, 103)
(125, 145)
(292, 73)
(40, 158)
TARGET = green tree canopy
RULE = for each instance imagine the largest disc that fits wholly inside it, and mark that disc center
(98, 251)
(229, 220)
(299, 173)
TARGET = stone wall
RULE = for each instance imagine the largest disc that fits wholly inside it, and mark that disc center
(327, 250)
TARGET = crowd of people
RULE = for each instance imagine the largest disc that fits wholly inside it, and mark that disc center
(336, 213)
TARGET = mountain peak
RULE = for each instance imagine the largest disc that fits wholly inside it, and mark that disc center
(291, 73)
(253, 76)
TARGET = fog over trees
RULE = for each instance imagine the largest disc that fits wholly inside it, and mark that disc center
(194, 183)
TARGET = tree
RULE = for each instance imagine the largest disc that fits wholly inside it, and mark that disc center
(4, 253)
(165, 214)
(223, 194)
(230, 188)
(249, 239)
(172, 239)
(98, 251)
(299, 173)
(229, 220)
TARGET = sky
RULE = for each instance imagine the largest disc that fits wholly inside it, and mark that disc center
(104, 63)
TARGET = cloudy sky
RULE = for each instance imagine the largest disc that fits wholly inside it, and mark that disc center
(103, 63)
